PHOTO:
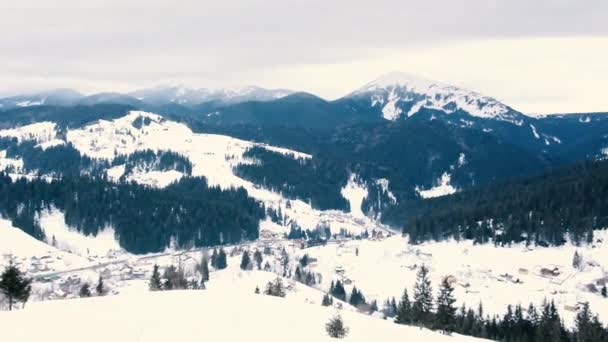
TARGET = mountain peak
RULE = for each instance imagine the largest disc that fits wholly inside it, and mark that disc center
(402, 79)
(401, 95)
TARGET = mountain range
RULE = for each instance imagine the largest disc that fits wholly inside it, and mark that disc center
(400, 136)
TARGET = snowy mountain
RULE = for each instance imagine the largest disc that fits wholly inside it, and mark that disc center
(400, 95)
(193, 96)
(57, 97)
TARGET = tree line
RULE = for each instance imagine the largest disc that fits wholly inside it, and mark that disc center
(188, 213)
(541, 210)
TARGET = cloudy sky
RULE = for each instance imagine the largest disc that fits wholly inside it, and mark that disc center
(537, 56)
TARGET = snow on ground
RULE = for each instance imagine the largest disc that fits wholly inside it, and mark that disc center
(213, 314)
(40, 132)
(496, 276)
(154, 178)
(354, 192)
(58, 234)
(442, 189)
(32, 255)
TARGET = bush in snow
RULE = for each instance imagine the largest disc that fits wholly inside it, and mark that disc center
(335, 327)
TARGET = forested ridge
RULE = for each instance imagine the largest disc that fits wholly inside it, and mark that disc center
(145, 219)
(545, 209)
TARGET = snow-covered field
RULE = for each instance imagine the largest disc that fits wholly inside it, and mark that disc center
(215, 314)
(495, 276)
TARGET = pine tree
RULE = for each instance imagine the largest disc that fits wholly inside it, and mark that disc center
(100, 289)
(221, 260)
(85, 291)
(327, 300)
(258, 258)
(588, 327)
(204, 268)
(373, 307)
(446, 311)
(245, 261)
(155, 281)
(214, 258)
(404, 310)
(577, 260)
(604, 291)
(14, 286)
(422, 305)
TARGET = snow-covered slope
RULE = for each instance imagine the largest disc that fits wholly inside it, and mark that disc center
(483, 273)
(192, 96)
(216, 314)
(403, 95)
(213, 156)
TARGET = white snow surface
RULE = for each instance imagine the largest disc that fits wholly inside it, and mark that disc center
(69, 239)
(40, 132)
(483, 273)
(215, 314)
(391, 89)
(443, 188)
(354, 192)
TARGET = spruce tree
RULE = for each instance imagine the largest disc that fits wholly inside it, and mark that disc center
(155, 281)
(446, 311)
(221, 260)
(245, 261)
(422, 305)
(258, 258)
(404, 310)
(204, 268)
(100, 288)
(85, 291)
(15, 286)
(327, 300)
(214, 258)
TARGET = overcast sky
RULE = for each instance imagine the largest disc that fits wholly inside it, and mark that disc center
(535, 55)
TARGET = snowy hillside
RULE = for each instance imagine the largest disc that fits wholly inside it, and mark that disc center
(403, 95)
(191, 96)
(212, 156)
(212, 315)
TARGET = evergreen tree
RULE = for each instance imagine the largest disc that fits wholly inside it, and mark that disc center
(258, 258)
(337, 290)
(221, 260)
(550, 327)
(446, 311)
(588, 327)
(335, 327)
(422, 305)
(100, 288)
(155, 281)
(577, 260)
(204, 268)
(257, 290)
(327, 300)
(404, 310)
(604, 291)
(15, 286)
(356, 298)
(373, 307)
(85, 291)
(214, 258)
(245, 261)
